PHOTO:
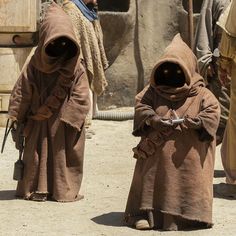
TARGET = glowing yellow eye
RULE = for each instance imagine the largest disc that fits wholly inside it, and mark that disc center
(166, 72)
(179, 71)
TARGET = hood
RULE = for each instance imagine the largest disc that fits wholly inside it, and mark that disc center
(55, 24)
(179, 53)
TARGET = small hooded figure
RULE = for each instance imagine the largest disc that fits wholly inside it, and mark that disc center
(176, 118)
(51, 100)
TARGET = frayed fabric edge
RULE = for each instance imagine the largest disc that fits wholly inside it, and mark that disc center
(78, 198)
(210, 224)
(130, 215)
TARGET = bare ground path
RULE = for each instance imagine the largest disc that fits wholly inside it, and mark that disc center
(107, 175)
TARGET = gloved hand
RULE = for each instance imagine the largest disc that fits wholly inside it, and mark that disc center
(192, 123)
(156, 122)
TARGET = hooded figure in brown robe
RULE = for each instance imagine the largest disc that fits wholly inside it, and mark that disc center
(51, 99)
(177, 119)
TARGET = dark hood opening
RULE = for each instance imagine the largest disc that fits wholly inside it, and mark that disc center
(61, 47)
(169, 74)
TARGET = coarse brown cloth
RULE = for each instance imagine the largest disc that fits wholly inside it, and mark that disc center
(51, 97)
(174, 169)
(90, 38)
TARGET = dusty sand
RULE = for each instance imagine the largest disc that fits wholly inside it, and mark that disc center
(108, 172)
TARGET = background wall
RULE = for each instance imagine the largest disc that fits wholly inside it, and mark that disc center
(135, 35)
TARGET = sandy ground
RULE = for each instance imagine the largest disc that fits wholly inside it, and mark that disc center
(107, 175)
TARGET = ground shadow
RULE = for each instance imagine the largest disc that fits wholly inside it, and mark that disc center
(224, 191)
(6, 195)
(219, 174)
(110, 219)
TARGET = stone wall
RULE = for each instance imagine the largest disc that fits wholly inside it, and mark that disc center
(135, 35)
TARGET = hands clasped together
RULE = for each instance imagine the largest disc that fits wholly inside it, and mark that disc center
(158, 123)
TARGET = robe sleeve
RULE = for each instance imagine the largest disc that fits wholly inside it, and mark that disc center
(209, 115)
(203, 44)
(218, 7)
(21, 96)
(205, 37)
(78, 105)
(143, 110)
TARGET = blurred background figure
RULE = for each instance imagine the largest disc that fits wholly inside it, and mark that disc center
(207, 39)
(227, 71)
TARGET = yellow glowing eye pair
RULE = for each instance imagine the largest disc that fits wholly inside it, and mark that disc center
(167, 71)
(63, 43)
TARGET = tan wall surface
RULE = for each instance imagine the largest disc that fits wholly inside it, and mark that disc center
(18, 15)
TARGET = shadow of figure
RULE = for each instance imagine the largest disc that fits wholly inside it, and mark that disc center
(219, 174)
(225, 191)
(6, 195)
(114, 219)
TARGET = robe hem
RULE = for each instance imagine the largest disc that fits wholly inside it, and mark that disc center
(209, 224)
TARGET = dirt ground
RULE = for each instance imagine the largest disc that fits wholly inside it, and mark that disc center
(108, 172)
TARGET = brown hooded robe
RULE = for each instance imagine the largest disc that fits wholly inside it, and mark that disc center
(174, 169)
(52, 98)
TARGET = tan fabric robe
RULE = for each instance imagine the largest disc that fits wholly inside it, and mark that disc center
(228, 62)
(174, 169)
(52, 98)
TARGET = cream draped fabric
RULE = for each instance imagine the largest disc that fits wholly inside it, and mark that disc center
(90, 38)
(228, 63)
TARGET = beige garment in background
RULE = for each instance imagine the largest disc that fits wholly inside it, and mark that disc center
(206, 36)
(228, 51)
(231, 21)
(228, 151)
(227, 20)
(90, 38)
